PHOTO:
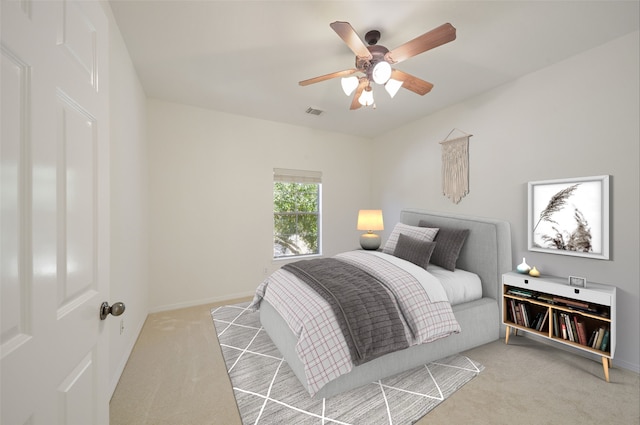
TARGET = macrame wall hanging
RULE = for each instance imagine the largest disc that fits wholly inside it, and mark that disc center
(455, 166)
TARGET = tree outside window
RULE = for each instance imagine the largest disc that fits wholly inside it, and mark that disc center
(296, 215)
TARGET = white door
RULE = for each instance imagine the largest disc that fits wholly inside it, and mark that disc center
(55, 240)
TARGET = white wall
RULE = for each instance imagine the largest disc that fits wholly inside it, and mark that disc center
(211, 200)
(576, 118)
(129, 204)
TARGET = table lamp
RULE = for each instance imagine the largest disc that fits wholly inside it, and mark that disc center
(370, 220)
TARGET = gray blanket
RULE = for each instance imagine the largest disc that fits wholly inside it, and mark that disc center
(367, 312)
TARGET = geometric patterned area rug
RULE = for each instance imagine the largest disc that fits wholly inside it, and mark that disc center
(268, 392)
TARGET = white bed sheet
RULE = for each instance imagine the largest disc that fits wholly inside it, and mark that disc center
(460, 285)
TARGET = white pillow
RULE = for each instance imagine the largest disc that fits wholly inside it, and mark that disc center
(424, 234)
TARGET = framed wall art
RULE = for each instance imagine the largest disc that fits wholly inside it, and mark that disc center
(570, 216)
(578, 281)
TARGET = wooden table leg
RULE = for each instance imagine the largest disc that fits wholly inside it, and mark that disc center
(506, 336)
(605, 366)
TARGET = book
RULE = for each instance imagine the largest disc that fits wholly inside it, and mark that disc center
(537, 320)
(590, 310)
(582, 332)
(523, 313)
(563, 326)
(543, 321)
(594, 334)
(601, 333)
(567, 321)
(572, 303)
(513, 311)
(574, 329)
(520, 292)
(595, 338)
(526, 315)
(546, 298)
(605, 341)
(518, 315)
(556, 329)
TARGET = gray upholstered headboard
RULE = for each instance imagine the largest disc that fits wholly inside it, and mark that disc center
(487, 250)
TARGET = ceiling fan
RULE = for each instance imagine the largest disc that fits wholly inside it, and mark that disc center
(375, 62)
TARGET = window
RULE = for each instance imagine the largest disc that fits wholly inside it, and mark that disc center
(296, 212)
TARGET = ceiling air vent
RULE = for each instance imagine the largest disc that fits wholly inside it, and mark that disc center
(313, 111)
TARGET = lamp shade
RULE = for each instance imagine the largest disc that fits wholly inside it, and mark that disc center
(370, 220)
(381, 72)
(349, 84)
(393, 86)
(366, 98)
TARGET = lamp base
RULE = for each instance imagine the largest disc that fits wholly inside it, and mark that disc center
(370, 241)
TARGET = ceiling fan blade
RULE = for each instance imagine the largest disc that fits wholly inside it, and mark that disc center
(412, 83)
(427, 41)
(314, 80)
(351, 38)
(355, 104)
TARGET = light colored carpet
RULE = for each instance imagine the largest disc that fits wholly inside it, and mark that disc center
(267, 391)
(176, 375)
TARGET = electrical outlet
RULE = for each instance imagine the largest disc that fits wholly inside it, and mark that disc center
(265, 271)
(121, 326)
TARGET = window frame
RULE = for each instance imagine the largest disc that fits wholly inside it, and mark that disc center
(281, 175)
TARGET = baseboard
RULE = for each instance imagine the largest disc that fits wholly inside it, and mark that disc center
(616, 362)
(627, 365)
(194, 303)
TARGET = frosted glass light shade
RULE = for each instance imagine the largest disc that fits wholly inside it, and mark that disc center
(381, 72)
(393, 86)
(366, 98)
(349, 84)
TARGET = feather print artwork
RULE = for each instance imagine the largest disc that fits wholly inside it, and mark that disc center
(578, 239)
(556, 203)
(569, 216)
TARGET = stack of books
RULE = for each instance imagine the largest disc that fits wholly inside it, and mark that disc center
(573, 328)
(520, 314)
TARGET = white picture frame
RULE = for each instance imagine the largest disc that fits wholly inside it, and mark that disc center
(578, 281)
(569, 216)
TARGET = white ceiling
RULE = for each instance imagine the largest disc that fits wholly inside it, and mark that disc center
(246, 57)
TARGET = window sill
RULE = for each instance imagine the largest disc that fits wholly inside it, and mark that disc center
(296, 257)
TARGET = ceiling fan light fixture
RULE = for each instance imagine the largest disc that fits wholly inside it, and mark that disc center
(393, 86)
(381, 72)
(374, 61)
(366, 98)
(349, 84)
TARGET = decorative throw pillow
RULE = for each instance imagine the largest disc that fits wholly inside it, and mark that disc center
(414, 250)
(449, 243)
(424, 234)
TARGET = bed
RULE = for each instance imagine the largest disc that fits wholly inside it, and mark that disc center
(486, 254)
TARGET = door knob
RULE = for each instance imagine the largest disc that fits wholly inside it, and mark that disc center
(116, 309)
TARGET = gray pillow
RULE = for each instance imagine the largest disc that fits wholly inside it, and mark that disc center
(420, 233)
(414, 250)
(450, 243)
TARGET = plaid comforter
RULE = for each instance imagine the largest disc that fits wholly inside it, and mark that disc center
(365, 309)
(321, 347)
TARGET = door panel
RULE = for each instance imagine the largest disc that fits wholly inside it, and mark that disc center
(77, 181)
(77, 390)
(16, 284)
(55, 207)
